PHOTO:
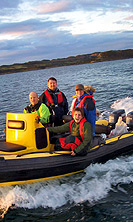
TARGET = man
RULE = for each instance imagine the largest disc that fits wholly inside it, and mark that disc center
(43, 114)
(80, 139)
(55, 100)
(85, 101)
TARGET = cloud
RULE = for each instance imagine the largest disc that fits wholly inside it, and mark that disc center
(45, 48)
(85, 5)
(43, 29)
(129, 17)
(4, 4)
(32, 27)
(51, 7)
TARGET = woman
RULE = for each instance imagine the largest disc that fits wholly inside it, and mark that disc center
(85, 101)
(79, 141)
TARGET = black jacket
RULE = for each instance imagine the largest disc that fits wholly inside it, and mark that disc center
(58, 109)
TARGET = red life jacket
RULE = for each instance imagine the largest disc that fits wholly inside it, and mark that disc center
(50, 100)
(82, 101)
(72, 145)
(81, 124)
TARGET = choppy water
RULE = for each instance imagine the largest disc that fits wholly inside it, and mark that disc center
(104, 191)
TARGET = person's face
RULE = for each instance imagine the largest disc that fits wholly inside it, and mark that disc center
(79, 92)
(77, 116)
(52, 84)
(33, 98)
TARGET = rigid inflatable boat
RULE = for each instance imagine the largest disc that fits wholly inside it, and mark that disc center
(27, 154)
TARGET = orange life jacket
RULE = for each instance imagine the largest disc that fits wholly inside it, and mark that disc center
(73, 144)
(70, 145)
(50, 100)
(81, 102)
(81, 124)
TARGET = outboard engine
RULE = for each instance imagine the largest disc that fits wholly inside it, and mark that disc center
(129, 120)
(113, 117)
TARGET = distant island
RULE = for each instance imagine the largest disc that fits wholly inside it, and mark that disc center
(71, 60)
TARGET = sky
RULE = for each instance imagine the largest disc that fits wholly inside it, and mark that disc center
(39, 29)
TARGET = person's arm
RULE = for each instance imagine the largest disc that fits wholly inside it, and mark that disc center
(89, 104)
(87, 138)
(44, 113)
(27, 109)
(60, 129)
(42, 98)
(65, 104)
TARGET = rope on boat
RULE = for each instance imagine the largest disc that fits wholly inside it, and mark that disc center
(50, 152)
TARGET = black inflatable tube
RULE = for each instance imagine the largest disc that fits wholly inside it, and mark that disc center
(102, 129)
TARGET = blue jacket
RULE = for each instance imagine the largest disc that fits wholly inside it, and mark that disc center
(89, 110)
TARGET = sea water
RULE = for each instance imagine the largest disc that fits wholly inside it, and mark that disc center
(103, 192)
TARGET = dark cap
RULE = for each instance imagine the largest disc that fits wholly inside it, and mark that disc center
(79, 86)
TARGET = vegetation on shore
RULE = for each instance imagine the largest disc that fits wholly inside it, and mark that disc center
(71, 60)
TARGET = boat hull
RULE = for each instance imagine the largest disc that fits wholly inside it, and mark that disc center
(19, 169)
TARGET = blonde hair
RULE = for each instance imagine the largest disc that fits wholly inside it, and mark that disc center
(88, 88)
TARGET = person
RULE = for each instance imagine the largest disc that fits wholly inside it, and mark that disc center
(80, 139)
(43, 114)
(90, 90)
(55, 100)
(85, 101)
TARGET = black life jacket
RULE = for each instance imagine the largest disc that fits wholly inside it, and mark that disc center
(31, 108)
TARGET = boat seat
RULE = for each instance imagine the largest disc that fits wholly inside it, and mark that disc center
(10, 147)
(41, 138)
